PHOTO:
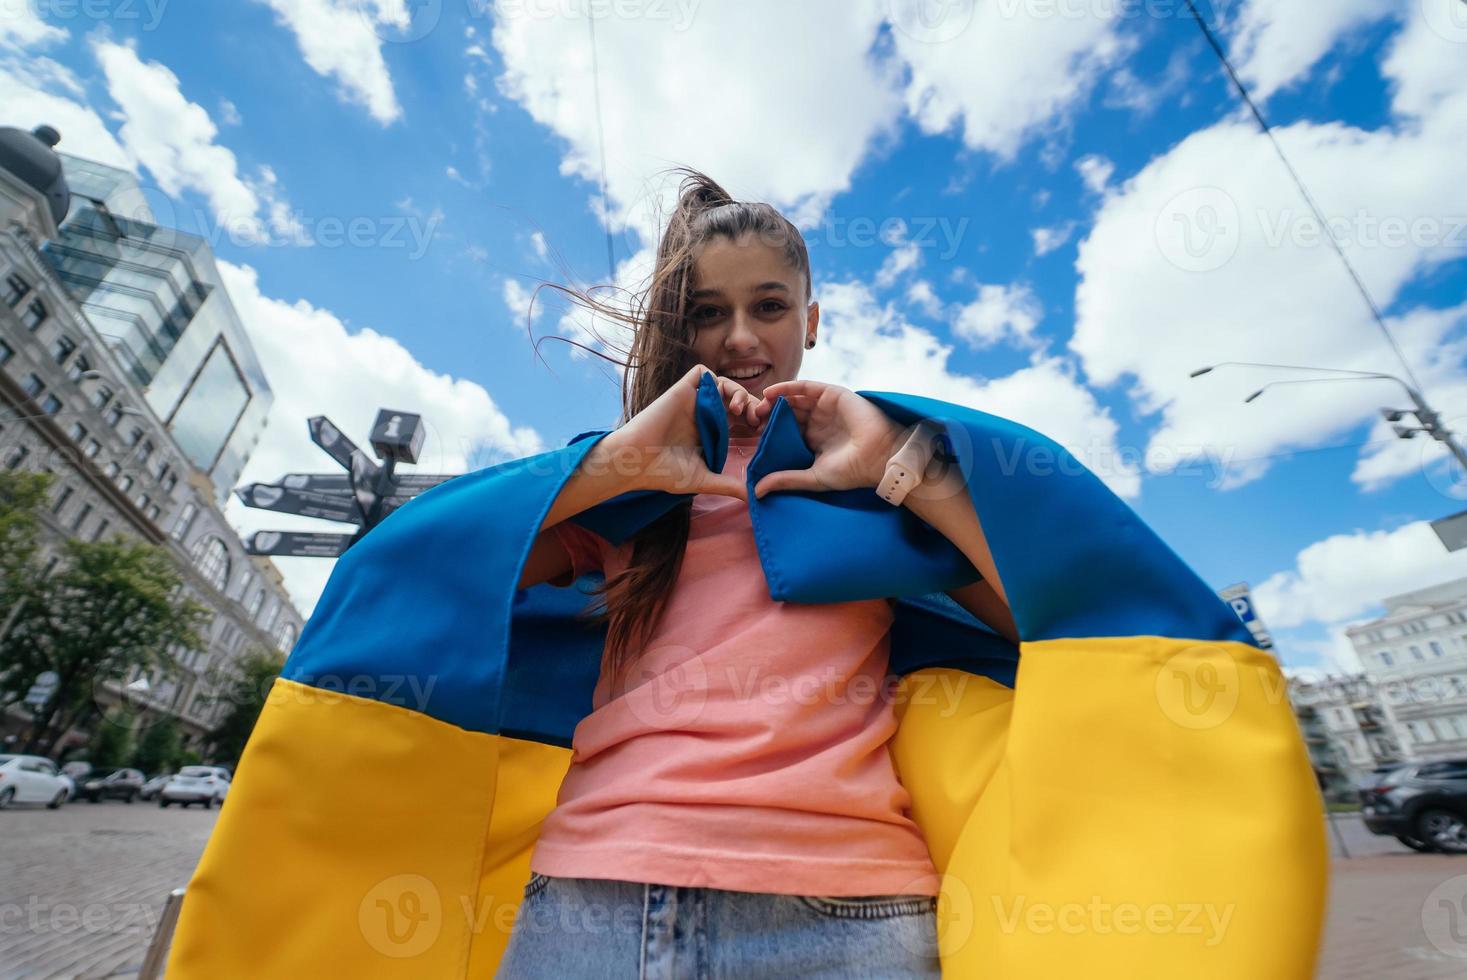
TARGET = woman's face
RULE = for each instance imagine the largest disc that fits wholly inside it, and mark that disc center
(749, 311)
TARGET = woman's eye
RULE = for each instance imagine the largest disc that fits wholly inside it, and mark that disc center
(772, 306)
(704, 313)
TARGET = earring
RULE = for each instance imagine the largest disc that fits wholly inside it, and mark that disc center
(809, 343)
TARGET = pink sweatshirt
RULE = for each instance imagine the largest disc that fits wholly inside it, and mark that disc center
(750, 751)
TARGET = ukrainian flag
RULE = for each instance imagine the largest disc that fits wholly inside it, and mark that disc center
(1126, 794)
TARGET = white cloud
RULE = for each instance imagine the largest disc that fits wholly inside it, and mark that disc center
(175, 139)
(1209, 254)
(342, 39)
(1010, 71)
(317, 366)
(22, 27)
(1046, 240)
(921, 295)
(999, 312)
(1345, 576)
(1276, 42)
(791, 131)
(35, 95)
(1095, 172)
(903, 259)
(865, 345)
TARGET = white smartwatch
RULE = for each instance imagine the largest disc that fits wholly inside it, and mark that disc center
(905, 468)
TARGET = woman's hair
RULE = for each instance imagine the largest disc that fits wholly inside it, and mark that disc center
(661, 352)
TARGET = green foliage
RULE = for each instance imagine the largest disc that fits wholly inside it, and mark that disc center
(111, 606)
(160, 748)
(112, 739)
(244, 689)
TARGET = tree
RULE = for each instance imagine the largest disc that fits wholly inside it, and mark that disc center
(22, 495)
(160, 748)
(113, 606)
(244, 688)
(112, 742)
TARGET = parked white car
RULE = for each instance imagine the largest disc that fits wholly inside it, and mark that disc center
(196, 784)
(31, 779)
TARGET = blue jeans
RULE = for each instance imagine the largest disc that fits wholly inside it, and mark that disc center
(582, 928)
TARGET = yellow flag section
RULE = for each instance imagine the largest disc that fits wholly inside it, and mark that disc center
(1069, 845)
(1184, 841)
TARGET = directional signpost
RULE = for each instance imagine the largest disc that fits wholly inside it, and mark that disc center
(364, 495)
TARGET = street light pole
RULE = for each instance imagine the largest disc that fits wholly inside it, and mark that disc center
(1429, 419)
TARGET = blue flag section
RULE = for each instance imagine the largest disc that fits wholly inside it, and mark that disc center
(1123, 794)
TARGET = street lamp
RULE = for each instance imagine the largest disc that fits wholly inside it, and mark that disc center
(1430, 420)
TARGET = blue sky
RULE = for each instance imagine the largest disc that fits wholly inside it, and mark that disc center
(1049, 209)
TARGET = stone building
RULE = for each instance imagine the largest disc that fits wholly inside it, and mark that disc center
(125, 373)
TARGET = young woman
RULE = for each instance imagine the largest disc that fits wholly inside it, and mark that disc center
(731, 808)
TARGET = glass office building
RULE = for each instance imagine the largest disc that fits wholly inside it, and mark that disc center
(155, 294)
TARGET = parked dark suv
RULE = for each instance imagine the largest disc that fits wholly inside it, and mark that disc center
(1421, 804)
(122, 784)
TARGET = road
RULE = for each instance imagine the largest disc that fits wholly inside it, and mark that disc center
(81, 889)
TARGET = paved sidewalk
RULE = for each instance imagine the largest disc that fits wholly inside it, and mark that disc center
(82, 887)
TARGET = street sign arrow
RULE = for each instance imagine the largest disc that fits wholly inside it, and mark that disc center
(297, 544)
(318, 482)
(303, 503)
(333, 440)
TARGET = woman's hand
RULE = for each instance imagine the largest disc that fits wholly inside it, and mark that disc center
(659, 448)
(852, 439)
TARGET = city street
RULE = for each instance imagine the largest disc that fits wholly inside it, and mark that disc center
(83, 886)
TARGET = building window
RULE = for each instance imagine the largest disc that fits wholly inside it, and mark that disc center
(285, 639)
(34, 385)
(16, 457)
(256, 601)
(93, 448)
(185, 520)
(1421, 731)
(81, 517)
(78, 432)
(62, 348)
(61, 499)
(153, 513)
(101, 397)
(1386, 658)
(34, 316)
(135, 436)
(1416, 653)
(114, 416)
(144, 452)
(79, 366)
(112, 469)
(125, 484)
(142, 501)
(170, 483)
(211, 557)
(15, 289)
(51, 405)
(101, 530)
(1436, 648)
(273, 615)
(6, 352)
